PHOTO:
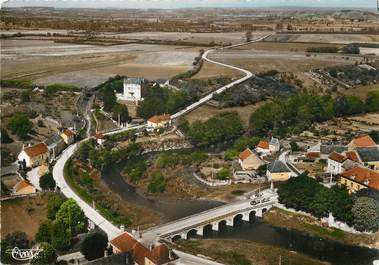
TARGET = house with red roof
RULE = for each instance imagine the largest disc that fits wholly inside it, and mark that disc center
(141, 255)
(335, 162)
(361, 141)
(35, 155)
(159, 121)
(23, 187)
(359, 178)
(249, 160)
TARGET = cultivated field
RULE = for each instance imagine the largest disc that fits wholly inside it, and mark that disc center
(282, 61)
(88, 65)
(325, 38)
(283, 46)
(206, 112)
(210, 70)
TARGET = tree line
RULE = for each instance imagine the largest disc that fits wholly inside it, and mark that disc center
(306, 194)
(297, 113)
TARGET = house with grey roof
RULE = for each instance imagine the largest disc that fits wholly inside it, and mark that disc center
(55, 145)
(278, 171)
(369, 157)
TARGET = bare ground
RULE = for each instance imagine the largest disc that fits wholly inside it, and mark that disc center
(23, 214)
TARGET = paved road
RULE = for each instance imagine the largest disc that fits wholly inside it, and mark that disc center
(110, 229)
(203, 100)
(188, 259)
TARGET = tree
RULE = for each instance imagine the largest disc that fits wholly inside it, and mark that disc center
(122, 110)
(223, 174)
(44, 233)
(372, 101)
(93, 246)
(70, 214)
(375, 136)
(17, 239)
(47, 182)
(60, 235)
(366, 214)
(25, 96)
(46, 256)
(53, 205)
(20, 124)
(294, 146)
(5, 138)
(109, 97)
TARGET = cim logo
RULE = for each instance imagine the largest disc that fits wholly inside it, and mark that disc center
(24, 254)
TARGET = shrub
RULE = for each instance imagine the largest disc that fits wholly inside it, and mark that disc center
(157, 183)
(223, 174)
(93, 246)
(47, 182)
(20, 124)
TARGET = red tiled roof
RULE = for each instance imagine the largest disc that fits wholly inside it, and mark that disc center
(159, 254)
(99, 136)
(364, 141)
(126, 242)
(245, 154)
(21, 185)
(68, 133)
(337, 157)
(36, 150)
(362, 175)
(313, 155)
(160, 118)
(263, 144)
(352, 156)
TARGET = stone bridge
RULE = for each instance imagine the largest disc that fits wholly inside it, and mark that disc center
(213, 219)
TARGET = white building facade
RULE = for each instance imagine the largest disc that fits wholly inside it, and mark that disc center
(132, 89)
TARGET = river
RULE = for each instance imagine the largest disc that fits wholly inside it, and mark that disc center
(259, 231)
(168, 209)
(313, 246)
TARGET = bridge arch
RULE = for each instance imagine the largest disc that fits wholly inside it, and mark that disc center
(191, 233)
(222, 225)
(252, 216)
(207, 230)
(176, 238)
(237, 219)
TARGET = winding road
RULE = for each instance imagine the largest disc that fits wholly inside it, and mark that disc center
(91, 213)
(247, 73)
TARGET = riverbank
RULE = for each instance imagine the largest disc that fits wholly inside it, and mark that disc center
(311, 225)
(87, 183)
(246, 252)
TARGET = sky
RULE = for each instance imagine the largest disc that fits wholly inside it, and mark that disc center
(343, 4)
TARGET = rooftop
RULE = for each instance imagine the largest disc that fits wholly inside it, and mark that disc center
(277, 167)
(368, 154)
(363, 141)
(22, 184)
(134, 80)
(68, 133)
(263, 144)
(337, 157)
(160, 118)
(245, 154)
(327, 149)
(55, 139)
(352, 156)
(99, 136)
(364, 176)
(36, 150)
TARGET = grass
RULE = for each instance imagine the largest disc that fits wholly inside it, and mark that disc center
(109, 214)
(282, 218)
(16, 83)
(244, 252)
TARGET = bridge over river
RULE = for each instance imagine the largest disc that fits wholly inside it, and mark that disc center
(212, 219)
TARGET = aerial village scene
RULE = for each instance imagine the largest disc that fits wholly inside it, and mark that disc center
(199, 132)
